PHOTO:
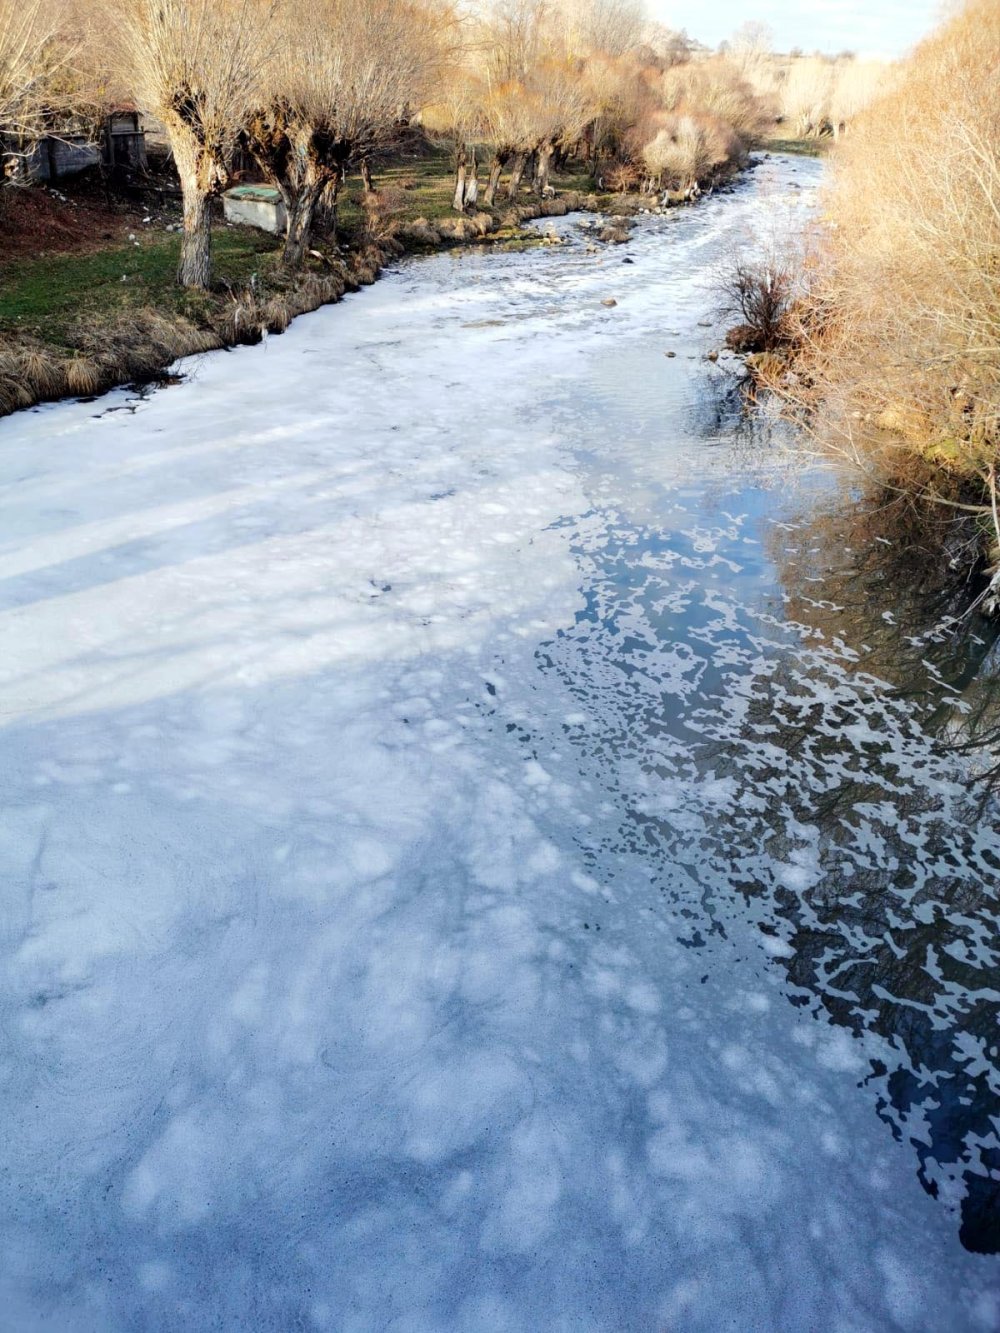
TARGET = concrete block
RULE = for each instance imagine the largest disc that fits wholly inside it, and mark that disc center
(255, 206)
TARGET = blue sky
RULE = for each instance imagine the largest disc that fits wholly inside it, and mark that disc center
(870, 27)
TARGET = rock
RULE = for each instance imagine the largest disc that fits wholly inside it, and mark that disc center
(712, 356)
(609, 301)
(670, 354)
(614, 235)
(626, 260)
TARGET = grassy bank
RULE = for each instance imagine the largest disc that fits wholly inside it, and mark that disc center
(103, 309)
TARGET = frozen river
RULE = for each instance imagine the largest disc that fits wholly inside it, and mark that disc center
(479, 847)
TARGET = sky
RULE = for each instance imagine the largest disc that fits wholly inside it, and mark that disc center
(870, 27)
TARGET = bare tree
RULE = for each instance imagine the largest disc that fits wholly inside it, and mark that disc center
(611, 27)
(28, 65)
(458, 117)
(196, 66)
(344, 79)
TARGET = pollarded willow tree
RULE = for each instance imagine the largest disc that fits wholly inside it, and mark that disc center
(558, 75)
(197, 66)
(457, 116)
(345, 78)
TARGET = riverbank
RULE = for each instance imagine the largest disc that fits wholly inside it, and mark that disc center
(102, 309)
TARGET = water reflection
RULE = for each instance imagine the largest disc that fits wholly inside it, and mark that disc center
(779, 698)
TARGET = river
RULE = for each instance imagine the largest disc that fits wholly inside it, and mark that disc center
(488, 837)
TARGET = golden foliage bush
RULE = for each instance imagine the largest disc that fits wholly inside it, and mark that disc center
(902, 329)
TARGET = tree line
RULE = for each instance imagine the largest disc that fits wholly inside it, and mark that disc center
(312, 90)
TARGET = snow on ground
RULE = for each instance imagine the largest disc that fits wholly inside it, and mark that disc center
(329, 999)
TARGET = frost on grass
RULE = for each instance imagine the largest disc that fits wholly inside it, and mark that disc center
(444, 890)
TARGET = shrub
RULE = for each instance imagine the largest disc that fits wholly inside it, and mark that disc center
(758, 291)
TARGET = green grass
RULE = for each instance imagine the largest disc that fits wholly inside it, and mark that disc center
(52, 298)
(49, 297)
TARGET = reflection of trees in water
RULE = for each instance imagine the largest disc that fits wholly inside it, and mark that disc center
(924, 982)
(757, 755)
(719, 412)
(896, 934)
(896, 576)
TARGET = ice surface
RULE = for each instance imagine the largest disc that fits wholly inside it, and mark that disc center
(407, 770)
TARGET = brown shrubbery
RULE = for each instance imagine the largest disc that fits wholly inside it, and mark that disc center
(900, 333)
(908, 283)
(760, 293)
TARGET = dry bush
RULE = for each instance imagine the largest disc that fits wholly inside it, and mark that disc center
(688, 148)
(759, 291)
(621, 177)
(910, 282)
(383, 209)
(805, 95)
(856, 84)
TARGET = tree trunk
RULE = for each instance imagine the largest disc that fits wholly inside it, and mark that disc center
(516, 172)
(326, 209)
(589, 141)
(493, 184)
(195, 268)
(472, 181)
(366, 175)
(543, 161)
(461, 160)
(298, 230)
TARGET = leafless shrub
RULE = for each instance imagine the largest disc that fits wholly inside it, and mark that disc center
(622, 177)
(383, 209)
(759, 291)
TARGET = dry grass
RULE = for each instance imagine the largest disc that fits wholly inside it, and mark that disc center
(139, 345)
